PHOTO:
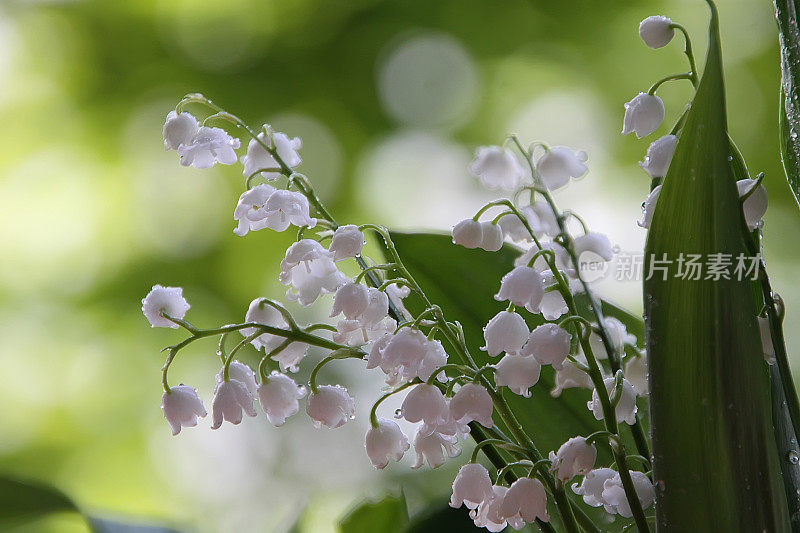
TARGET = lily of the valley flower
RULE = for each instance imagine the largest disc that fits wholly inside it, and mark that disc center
(207, 147)
(615, 499)
(525, 501)
(468, 233)
(331, 406)
(241, 373)
(549, 344)
(347, 242)
(636, 373)
(471, 403)
(182, 407)
(310, 271)
(351, 299)
(262, 313)
(505, 332)
(570, 376)
(491, 237)
(626, 406)
(250, 212)
(471, 487)
(230, 399)
(766, 341)
(656, 31)
(285, 208)
(594, 242)
(523, 286)
(488, 515)
(649, 207)
(517, 372)
(755, 205)
(643, 115)
(574, 457)
(425, 403)
(591, 488)
(659, 156)
(558, 164)
(257, 157)
(432, 447)
(385, 442)
(278, 396)
(497, 168)
(167, 300)
(179, 129)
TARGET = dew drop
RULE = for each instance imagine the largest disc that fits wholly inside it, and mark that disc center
(398, 413)
(794, 458)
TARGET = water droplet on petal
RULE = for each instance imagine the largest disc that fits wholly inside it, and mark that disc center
(794, 458)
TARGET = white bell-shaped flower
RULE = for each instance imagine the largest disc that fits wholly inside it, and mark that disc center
(574, 457)
(548, 223)
(257, 157)
(505, 332)
(523, 286)
(755, 205)
(278, 396)
(591, 488)
(347, 242)
(230, 399)
(525, 501)
(450, 428)
(497, 168)
(549, 344)
(553, 304)
(541, 264)
(241, 373)
(643, 115)
(179, 129)
(570, 376)
(766, 341)
(656, 31)
(310, 271)
(636, 373)
(432, 447)
(649, 207)
(289, 357)
(488, 514)
(517, 372)
(491, 237)
(385, 442)
(515, 230)
(331, 406)
(209, 146)
(468, 233)
(617, 334)
(435, 357)
(260, 312)
(351, 299)
(182, 407)
(659, 156)
(425, 403)
(250, 212)
(377, 308)
(615, 499)
(596, 243)
(471, 403)
(285, 208)
(375, 356)
(471, 487)
(558, 164)
(626, 407)
(168, 300)
(357, 333)
(406, 349)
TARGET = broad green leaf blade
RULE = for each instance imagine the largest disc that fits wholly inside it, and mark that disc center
(715, 465)
(23, 501)
(107, 525)
(389, 515)
(439, 518)
(789, 32)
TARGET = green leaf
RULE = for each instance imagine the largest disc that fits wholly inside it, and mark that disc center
(440, 517)
(715, 464)
(789, 32)
(24, 501)
(389, 515)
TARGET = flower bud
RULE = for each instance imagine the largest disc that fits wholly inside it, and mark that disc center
(468, 233)
(179, 129)
(659, 156)
(505, 332)
(241, 373)
(425, 403)
(656, 31)
(643, 115)
(168, 300)
(347, 241)
(649, 207)
(594, 242)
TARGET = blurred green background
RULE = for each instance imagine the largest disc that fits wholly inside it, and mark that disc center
(390, 98)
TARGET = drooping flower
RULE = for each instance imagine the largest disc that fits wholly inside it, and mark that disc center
(649, 207)
(558, 164)
(541, 264)
(517, 372)
(596, 243)
(549, 344)
(207, 147)
(250, 212)
(497, 168)
(310, 271)
(428, 447)
(591, 488)
(570, 376)
(766, 341)
(626, 407)
(491, 237)
(488, 515)
(181, 407)
(659, 156)
(358, 333)
(435, 357)
(636, 373)
(241, 373)
(285, 208)
(179, 129)
(230, 399)
(548, 224)
(331, 406)
(385, 441)
(468, 233)
(260, 312)
(257, 157)
(425, 403)
(278, 396)
(615, 499)
(525, 501)
(168, 300)
(404, 352)
(347, 242)
(505, 332)
(396, 293)
(377, 308)
(755, 205)
(471, 487)
(574, 457)
(515, 230)
(471, 403)
(656, 31)
(617, 334)
(643, 115)
(289, 357)
(351, 299)
(553, 303)
(522, 286)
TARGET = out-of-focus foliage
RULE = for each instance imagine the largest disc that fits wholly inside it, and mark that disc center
(390, 98)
